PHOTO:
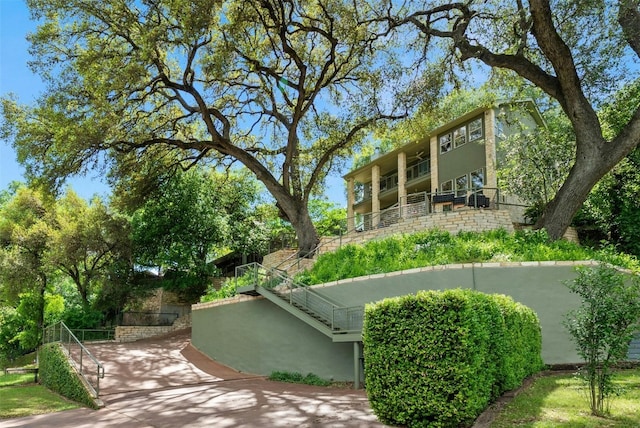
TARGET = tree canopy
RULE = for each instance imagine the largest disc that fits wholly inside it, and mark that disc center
(613, 207)
(86, 241)
(192, 219)
(284, 87)
(288, 87)
(545, 44)
(25, 275)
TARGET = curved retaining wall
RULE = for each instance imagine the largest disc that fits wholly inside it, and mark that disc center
(254, 335)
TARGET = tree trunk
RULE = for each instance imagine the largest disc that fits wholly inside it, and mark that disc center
(41, 305)
(589, 168)
(297, 214)
(308, 239)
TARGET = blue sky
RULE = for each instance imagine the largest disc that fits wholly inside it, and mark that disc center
(15, 77)
(14, 74)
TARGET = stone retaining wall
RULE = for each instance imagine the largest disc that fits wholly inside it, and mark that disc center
(468, 220)
(131, 333)
(278, 257)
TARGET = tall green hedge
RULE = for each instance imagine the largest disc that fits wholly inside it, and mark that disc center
(437, 359)
(57, 374)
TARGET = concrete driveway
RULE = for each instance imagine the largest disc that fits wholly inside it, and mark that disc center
(165, 382)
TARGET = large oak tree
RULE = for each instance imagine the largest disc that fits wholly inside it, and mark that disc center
(285, 87)
(578, 53)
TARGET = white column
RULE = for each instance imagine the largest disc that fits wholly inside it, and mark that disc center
(435, 152)
(375, 196)
(402, 180)
(351, 222)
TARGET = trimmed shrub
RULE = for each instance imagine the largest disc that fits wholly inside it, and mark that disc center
(57, 374)
(437, 359)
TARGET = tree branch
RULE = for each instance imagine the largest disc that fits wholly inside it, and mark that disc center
(330, 152)
(629, 19)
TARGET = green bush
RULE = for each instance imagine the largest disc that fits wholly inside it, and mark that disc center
(602, 327)
(57, 375)
(437, 247)
(294, 377)
(437, 359)
(228, 289)
(10, 326)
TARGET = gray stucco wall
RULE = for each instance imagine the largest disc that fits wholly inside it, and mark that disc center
(258, 337)
(539, 287)
(461, 160)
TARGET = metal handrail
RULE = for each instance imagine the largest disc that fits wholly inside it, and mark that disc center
(94, 334)
(60, 333)
(338, 318)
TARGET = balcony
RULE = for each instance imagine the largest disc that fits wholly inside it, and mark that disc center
(424, 203)
(389, 182)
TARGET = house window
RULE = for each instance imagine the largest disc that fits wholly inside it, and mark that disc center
(424, 167)
(475, 129)
(445, 143)
(358, 192)
(477, 179)
(446, 187)
(461, 185)
(459, 136)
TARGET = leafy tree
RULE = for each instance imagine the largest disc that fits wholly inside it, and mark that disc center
(534, 164)
(602, 327)
(328, 217)
(284, 87)
(190, 220)
(25, 230)
(9, 328)
(85, 241)
(545, 44)
(44, 241)
(613, 206)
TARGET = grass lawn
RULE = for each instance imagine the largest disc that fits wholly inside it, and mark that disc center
(19, 396)
(561, 401)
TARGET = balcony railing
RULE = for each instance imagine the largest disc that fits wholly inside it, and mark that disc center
(418, 170)
(423, 203)
(390, 181)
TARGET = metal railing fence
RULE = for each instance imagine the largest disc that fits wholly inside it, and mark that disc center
(94, 335)
(148, 318)
(85, 363)
(423, 203)
(413, 205)
(340, 319)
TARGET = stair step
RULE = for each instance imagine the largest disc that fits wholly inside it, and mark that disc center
(286, 297)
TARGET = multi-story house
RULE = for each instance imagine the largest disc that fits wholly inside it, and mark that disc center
(453, 167)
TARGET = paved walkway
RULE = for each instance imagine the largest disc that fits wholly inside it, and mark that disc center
(167, 383)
